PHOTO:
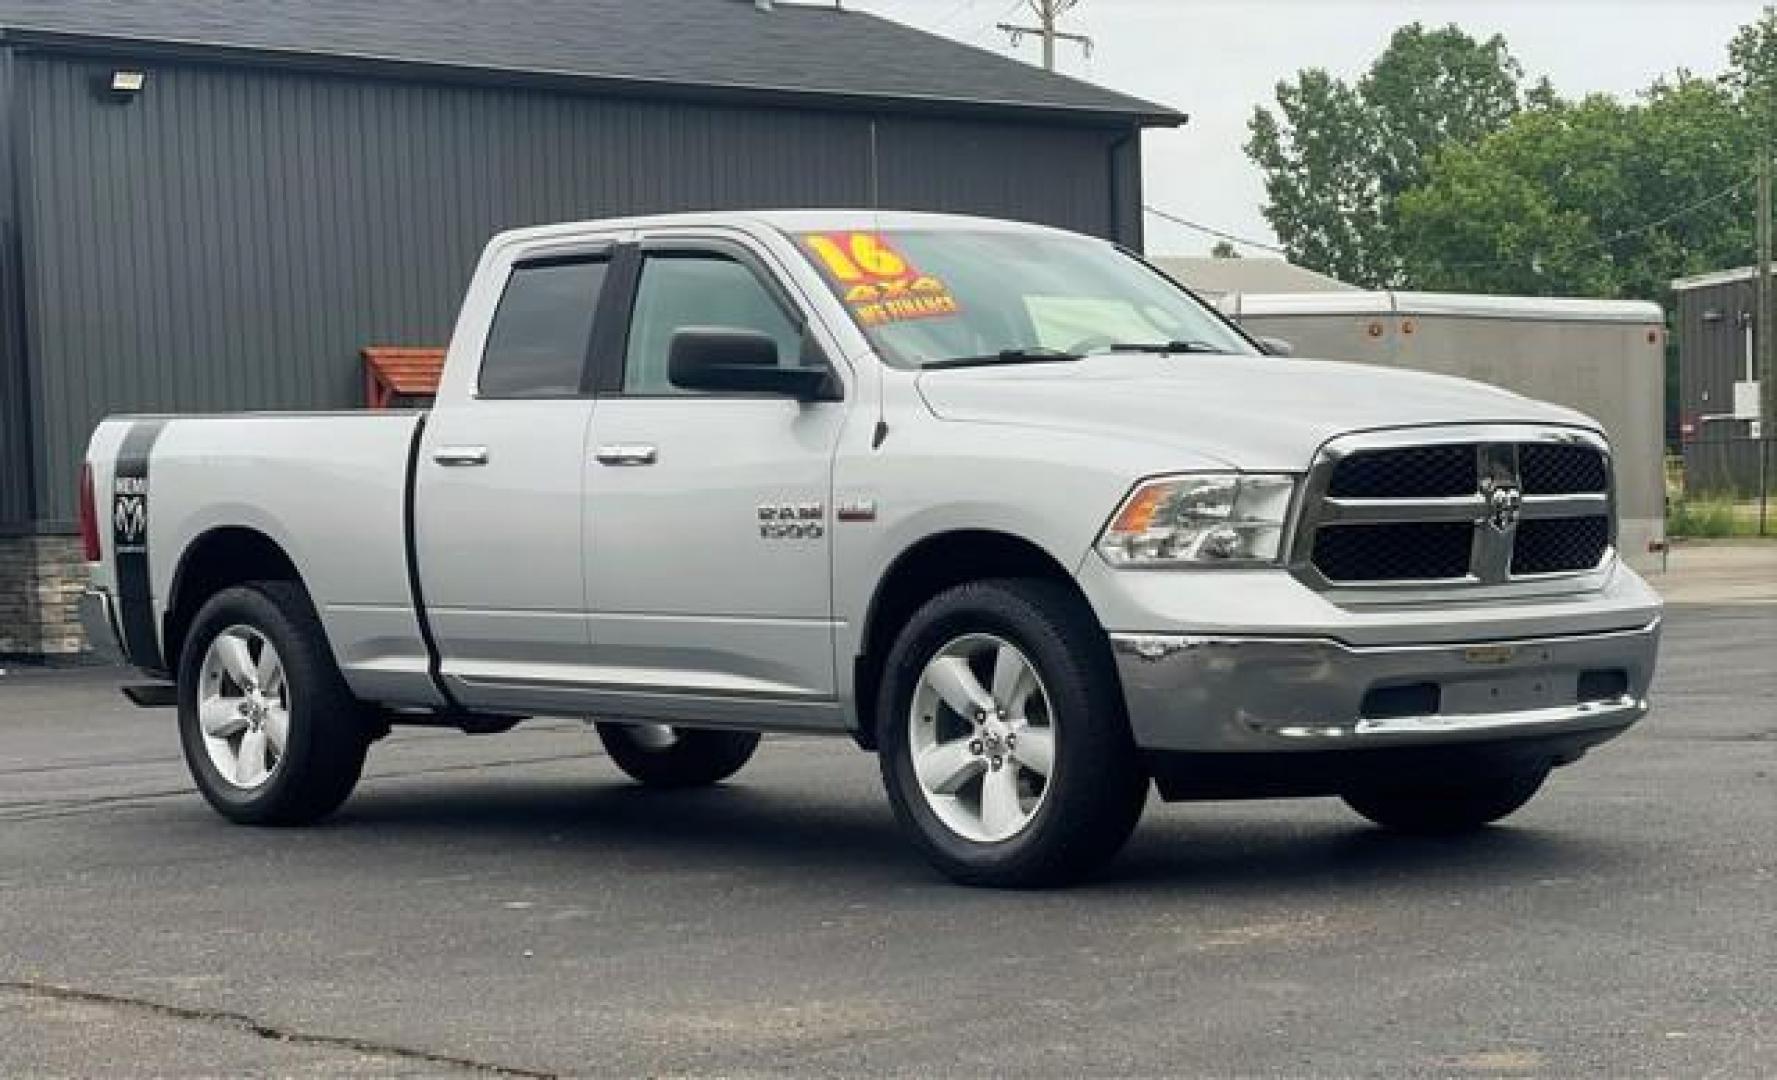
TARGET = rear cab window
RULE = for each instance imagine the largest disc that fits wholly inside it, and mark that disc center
(541, 335)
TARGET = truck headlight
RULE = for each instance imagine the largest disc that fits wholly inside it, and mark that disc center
(1204, 519)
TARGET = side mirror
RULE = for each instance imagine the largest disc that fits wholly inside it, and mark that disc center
(727, 360)
(1275, 346)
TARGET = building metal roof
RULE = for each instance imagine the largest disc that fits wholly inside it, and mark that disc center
(704, 47)
(1715, 277)
(1218, 277)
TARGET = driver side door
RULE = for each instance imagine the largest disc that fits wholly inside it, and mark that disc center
(709, 566)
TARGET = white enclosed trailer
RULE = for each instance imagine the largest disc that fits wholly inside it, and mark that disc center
(1605, 358)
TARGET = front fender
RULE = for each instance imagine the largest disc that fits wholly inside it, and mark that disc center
(1054, 490)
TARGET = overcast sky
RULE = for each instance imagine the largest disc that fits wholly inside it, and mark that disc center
(1217, 59)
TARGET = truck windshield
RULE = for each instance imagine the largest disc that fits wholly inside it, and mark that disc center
(961, 297)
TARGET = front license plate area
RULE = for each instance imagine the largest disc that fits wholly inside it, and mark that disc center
(1511, 693)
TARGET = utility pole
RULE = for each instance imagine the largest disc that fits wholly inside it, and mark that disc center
(1766, 327)
(1048, 12)
(1765, 332)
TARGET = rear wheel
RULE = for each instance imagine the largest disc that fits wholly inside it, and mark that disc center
(270, 731)
(1447, 807)
(673, 757)
(1004, 744)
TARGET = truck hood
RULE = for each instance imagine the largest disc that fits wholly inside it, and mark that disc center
(1248, 412)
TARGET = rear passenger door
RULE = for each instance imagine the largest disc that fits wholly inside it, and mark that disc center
(701, 584)
(497, 504)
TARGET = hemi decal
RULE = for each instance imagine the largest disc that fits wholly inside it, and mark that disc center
(129, 544)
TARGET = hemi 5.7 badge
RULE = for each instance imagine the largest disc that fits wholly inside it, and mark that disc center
(129, 514)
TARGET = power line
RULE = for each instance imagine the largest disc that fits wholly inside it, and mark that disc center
(965, 6)
(989, 28)
(1596, 245)
(1626, 234)
(1212, 230)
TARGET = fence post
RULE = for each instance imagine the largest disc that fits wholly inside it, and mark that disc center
(1764, 482)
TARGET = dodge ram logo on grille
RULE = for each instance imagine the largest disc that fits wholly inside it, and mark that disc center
(1505, 504)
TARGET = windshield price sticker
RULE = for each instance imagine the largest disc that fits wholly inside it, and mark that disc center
(898, 301)
(877, 282)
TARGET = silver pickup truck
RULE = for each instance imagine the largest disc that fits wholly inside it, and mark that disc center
(1002, 503)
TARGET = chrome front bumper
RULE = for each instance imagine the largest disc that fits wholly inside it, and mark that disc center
(1233, 694)
(98, 618)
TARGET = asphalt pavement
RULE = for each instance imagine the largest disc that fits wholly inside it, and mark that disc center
(510, 904)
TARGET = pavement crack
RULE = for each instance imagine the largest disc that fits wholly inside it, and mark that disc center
(38, 809)
(86, 766)
(264, 1030)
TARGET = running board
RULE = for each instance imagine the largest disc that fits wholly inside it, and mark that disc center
(158, 695)
(469, 723)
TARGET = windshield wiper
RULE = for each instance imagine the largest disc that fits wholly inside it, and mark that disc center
(1035, 355)
(1164, 347)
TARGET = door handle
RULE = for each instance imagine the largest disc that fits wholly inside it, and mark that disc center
(626, 454)
(459, 456)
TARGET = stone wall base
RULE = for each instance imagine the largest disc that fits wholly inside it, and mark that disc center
(41, 579)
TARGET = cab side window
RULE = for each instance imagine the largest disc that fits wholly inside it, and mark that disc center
(679, 290)
(542, 332)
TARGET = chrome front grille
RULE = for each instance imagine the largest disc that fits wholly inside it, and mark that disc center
(1394, 551)
(1560, 545)
(1442, 506)
(1561, 469)
(1410, 472)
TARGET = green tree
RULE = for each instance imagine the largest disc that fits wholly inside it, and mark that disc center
(1752, 68)
(1589, 198)
(1430, 89)
(1337, 157)
(1224, 250)
(1323, 200)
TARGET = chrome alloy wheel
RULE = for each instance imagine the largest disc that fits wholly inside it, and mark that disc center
(653, 736)
(982, 738)
(243, 707)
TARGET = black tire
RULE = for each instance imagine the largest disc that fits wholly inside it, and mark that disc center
(329, 731)
(1448, 807)
(694, 758)
(1097, 786)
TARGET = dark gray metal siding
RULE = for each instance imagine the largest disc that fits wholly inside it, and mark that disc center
(15, 413)
(233, 237)
(1059, 176)
(1127, 212)
(1712, 352)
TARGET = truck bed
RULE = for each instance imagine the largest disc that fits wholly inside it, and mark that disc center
(332, 489)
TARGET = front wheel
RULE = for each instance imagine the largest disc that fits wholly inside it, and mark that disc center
(674, 757)
(1004, 743)
(1450, 807)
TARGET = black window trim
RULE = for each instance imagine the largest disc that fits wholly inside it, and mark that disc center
(609, 362)
(607, 252)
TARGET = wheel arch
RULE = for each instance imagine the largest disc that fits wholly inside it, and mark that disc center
(925, 569)
(221, 558)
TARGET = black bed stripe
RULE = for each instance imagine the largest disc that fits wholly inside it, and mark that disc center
(129, 539)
